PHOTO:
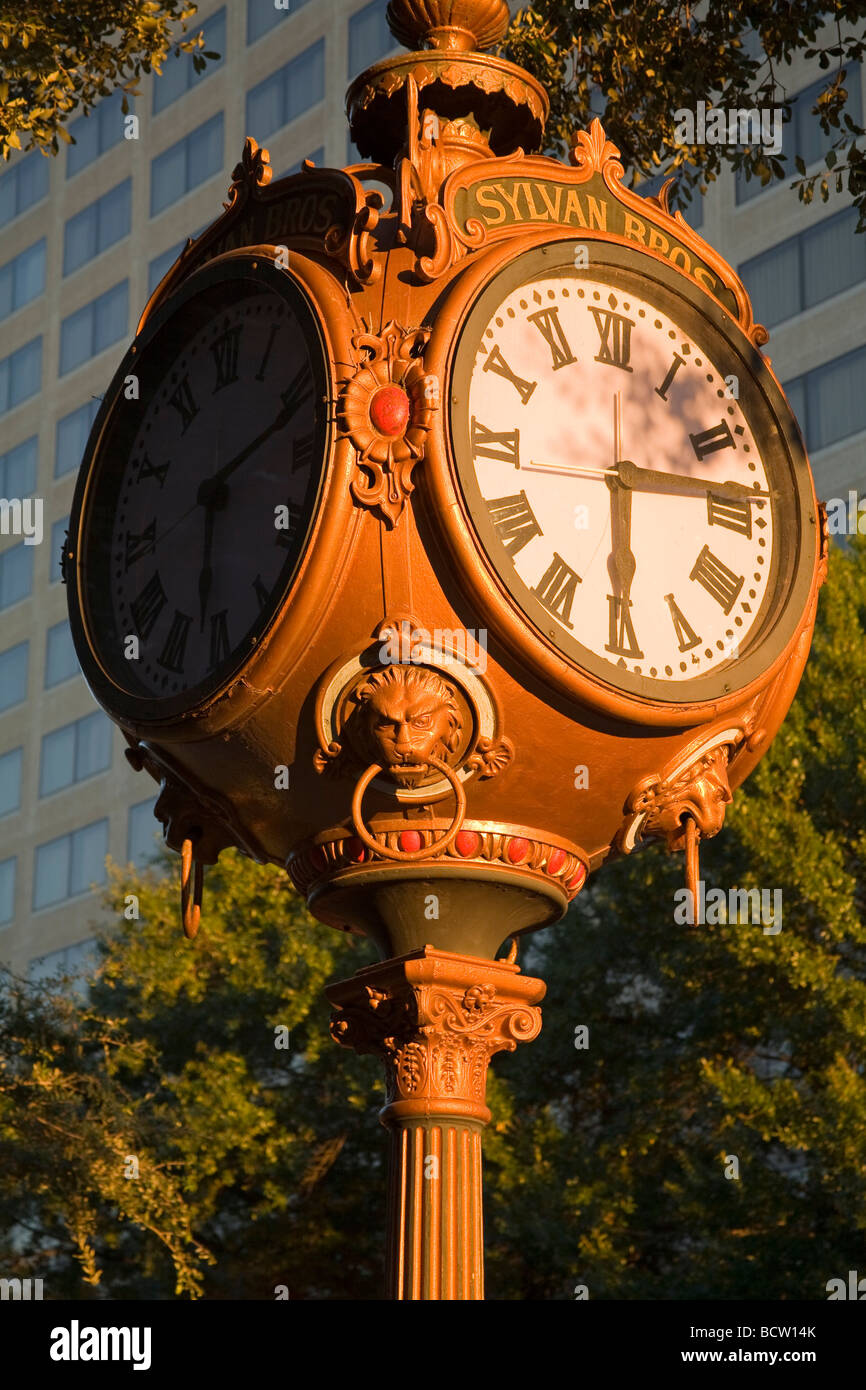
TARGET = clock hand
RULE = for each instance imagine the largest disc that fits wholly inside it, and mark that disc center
(652, 479)
(621, 563)
(205, 577)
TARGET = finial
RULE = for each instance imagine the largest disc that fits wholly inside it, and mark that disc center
(449, 25)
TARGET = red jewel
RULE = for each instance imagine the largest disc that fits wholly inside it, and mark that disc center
(467, 843)
(574, 883)
(353, 848)
(389, 411)
(518, 848)
(555, 861)
(409, 840)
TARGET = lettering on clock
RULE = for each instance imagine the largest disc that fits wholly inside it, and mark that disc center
(622, 638)
(514, 521)
(735, 513)
(302, 451)
(548, 325)
(147, 605)
(495, 362)
(219, 637)
(171, 657)
(140, 543)
(287, 525)
(614, 331)
(671, 373)
(709, 441)
(261, 592)
(146, 469)
(184, 403)
(298, 390)
(686, 635)
(488, 444)
(260, 374)
(225, 356)
(717, 579)
(556, 589)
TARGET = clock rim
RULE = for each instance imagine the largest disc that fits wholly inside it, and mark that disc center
(205, 703)
(499, 608)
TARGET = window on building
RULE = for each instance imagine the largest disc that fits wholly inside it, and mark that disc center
(143, 833)
(13, 675)
(802, 135)
(16, 574)
(7, 891)
(10, 781)
(806, 269)
(66, 867)
(20, 375)
(94, 327)
(287, 93)
(25, 184)
(830, 401)
(265, 15)
(97, 227)
(72, 433)
(18, 469)
(161, 264)
(179, 74)
(61, 663)
(75, 752)
(369, 36)
(185, 165)
(70, 964)
(58, 531)
(97, 132)
(317, 156)
(22, 279)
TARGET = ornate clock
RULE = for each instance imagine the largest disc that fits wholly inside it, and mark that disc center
(633, 475)
(199, 488)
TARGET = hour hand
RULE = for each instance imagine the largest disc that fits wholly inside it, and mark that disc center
(205, 578)
(657, 480)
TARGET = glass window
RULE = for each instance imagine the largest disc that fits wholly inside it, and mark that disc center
(836, 399)
(72, 434)
(18, 469)
(70, 963)
(61, 663)
(13, 675)
(161, 264)
(265, 15)
(10, 781)
(58, 532)
(7, 890)
(143, 833)
(187, 164)
(833, 257)
(16, 574)
(773, 282)
(26, 183)
(179, 74)
(94, 327)
(802, 135)
(22, 279)
(369, 36)
(20, 375)
(68, 865)
(75, 752)
(97, 132)
(97, 227)
(89, 848)
(288, 92)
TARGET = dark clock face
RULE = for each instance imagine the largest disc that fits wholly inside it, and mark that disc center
(625, 474)
(203, 489)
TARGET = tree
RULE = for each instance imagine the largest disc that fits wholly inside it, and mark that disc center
(637, 64)
(58, 65)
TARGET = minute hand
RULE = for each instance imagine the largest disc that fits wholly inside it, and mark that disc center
(654, 480)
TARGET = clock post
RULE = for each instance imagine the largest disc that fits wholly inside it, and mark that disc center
(435, 561)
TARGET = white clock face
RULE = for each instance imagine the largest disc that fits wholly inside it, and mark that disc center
(615, 478)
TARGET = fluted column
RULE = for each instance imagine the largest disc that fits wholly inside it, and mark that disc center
(436, 1018)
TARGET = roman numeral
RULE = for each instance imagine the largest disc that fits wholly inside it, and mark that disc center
(556, 588)
(514, 521)
(686, 635)
(219, 638)
(299, 388)
(733, 512)
(261, 592)
(614, 331)
(548, 325)
(225, 356)
(717, 579)
(719, 437)
(147, 605)
(489, 444)
(302, 451)
(172, 654)
(672, 371)
(622, 639)
(146, 469)
(496, 363)
(182, 400)
(260, 374)
(140, 543)
(286, 534)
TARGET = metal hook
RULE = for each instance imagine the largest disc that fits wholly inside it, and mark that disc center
(693, 868)
(190, 902)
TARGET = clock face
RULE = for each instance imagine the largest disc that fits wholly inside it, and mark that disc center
(202, 490)
(612, 449)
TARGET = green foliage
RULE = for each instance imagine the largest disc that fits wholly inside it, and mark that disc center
(636, 64)
(56, 63)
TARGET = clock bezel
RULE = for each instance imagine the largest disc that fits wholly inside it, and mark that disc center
(148, 712)
(452, 351)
